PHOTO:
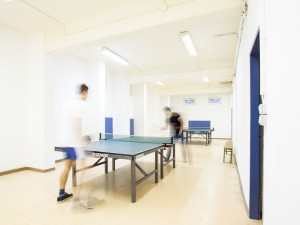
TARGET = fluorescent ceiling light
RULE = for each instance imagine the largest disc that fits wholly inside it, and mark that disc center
(187, 40)
(205, 79)
(160, 83)
(114, 56)
(8, 0)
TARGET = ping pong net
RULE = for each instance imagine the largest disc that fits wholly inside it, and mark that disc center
(140, 139)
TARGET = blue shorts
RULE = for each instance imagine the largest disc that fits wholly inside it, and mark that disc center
(176, 136)
(69, 153)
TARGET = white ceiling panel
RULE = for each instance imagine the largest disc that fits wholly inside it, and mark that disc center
(22, 17)
(71, 10)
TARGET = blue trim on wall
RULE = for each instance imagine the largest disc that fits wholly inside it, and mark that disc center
(131, 126)
(255, 157)
(109, 125)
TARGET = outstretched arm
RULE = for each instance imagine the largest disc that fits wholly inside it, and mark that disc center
(165, 127)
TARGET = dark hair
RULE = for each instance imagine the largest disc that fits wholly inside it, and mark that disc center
(83, 88)
(166, 108)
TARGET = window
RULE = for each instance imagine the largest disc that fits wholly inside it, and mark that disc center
(214, 100)
(189, 101)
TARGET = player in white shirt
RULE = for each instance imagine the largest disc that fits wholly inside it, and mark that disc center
(72, 138)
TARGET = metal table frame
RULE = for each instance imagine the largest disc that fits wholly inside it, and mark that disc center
(189, 133)
(103, 160)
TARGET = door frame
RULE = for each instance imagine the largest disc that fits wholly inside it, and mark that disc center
(255, 200)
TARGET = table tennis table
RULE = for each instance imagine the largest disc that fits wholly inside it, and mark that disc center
(201, 127)
(187, 133)
(131, 148)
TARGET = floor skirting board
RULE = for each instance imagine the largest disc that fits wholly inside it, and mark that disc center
(241, 187)
(26, 168)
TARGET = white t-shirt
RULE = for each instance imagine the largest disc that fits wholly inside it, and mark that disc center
(72, 120)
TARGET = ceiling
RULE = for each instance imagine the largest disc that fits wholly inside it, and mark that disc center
(155, 53)
(44, 14)
(31, 16)
(159, 51)
(23, 18)
(72, 10)
(161, 47)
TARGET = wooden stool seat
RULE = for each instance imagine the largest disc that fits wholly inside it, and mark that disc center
(228, 148)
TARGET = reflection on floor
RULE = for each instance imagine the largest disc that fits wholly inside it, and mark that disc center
(203, 192)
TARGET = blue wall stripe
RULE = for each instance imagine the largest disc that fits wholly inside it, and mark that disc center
(109, 125)
(131, 126)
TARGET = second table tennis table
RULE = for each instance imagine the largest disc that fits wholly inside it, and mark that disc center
(187, 133)
(130, 148)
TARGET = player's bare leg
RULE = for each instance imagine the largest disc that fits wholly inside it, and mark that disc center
(183, 152)
(84, 190)
(64, 174)
(63, 180)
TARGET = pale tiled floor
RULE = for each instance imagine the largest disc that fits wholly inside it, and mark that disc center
(205, 192)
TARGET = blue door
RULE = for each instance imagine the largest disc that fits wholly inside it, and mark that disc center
(256, 135)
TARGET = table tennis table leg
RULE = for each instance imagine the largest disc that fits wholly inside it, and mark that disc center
(162, 163)
(206, 139)
(106, 165)
(187, 137)
(113, 163)
(74, 174)
(174, 155)
(156, 167)
(133, 182)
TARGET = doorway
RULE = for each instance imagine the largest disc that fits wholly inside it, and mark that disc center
(256, 135)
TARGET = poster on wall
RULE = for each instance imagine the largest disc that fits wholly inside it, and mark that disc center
(189, 101)
(215, 100)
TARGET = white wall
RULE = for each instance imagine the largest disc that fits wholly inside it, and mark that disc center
(218, 114)
(27, 102)
(282, 150)
(37, 86)
(280, 78)
(95, 79)
(108, 94)
(139, 94)
(118, 102)
(241, 96)
(49, 113)
(146, 110)
(13, 112)
(68, 73)
(39, 107)
(154, 112)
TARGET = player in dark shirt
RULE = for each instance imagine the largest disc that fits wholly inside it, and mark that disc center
(174, 121)
(176, 125)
